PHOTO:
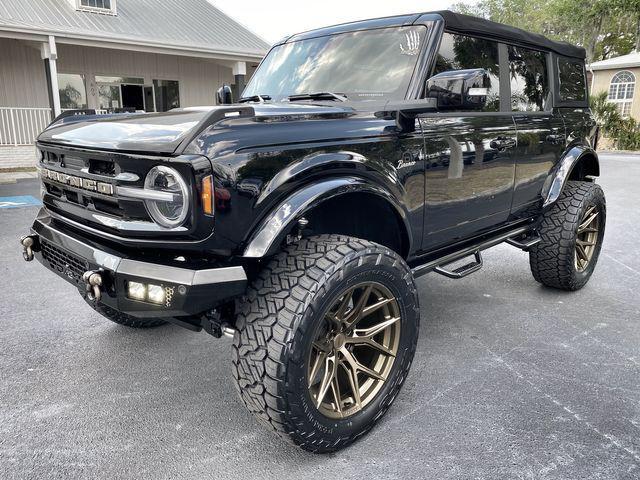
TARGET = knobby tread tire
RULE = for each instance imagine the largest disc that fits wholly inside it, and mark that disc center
(126, 320)
(552, 260)
(272, 314)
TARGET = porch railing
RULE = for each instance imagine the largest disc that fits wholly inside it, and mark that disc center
(21, 126)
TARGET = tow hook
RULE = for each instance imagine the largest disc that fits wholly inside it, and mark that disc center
(93, 282)
(27, 242)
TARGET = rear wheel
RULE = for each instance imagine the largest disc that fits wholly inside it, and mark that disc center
(325, 340)
(571, 235)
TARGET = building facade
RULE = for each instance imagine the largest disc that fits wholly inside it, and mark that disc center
(620, 78)
(112, 56)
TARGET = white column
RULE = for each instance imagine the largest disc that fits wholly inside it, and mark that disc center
(239, 68)
(49, 53)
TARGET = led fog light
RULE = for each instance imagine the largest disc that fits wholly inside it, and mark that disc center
(136, 291)
(156, 294)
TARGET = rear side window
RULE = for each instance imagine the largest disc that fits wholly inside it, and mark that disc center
(459, 52)
(573, 85)
(529, 77)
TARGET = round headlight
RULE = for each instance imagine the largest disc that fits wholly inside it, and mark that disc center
(172, 211)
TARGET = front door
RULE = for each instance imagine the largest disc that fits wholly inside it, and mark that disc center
(469, 175)
(468, 150)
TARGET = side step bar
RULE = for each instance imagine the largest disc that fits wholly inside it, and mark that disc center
(524, 242)
(462, 271)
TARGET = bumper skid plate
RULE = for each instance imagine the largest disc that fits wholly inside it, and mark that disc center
(107, 276)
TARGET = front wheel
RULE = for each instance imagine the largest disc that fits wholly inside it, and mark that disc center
(571, 234)
(325, 340)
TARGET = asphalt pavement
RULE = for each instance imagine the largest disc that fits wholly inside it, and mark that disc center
(510, 380)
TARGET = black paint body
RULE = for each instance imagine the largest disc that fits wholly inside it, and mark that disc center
(403, 174)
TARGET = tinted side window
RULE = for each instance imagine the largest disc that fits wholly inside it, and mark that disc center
(459, 52)
(529, 80)
(573, 86)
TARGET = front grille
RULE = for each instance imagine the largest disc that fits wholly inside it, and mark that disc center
(63, 262)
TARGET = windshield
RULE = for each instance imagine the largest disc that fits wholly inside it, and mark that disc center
(365, 65)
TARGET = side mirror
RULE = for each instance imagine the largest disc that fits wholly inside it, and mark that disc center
(224, 95)
(460, 89)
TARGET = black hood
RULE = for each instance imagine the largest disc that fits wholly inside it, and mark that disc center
(163, 133)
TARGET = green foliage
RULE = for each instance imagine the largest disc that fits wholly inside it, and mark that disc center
(605, 28)
(625, 132)
(629, 135)
(605, 113)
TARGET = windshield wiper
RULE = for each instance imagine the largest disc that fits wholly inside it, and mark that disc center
(255, 98)
(318, 96)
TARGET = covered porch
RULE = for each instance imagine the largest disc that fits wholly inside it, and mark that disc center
(42, 76)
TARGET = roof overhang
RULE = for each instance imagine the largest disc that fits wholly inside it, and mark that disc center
(616, 66)
(129, 43)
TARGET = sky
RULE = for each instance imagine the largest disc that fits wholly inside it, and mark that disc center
(275, 19)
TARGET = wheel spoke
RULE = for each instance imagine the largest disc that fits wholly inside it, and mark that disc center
(329, 373)
(376, 329)
(358, 308)
(358, 367)
(317, 364)
(581, 252)
(352, 375)
(585, 243)
(344, 305)
(337, 398)
(371, 343)
(587, 220)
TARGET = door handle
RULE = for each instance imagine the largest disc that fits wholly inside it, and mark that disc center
(555, 138)
(502, 143)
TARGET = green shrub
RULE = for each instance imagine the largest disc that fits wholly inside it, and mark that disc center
(625, 132)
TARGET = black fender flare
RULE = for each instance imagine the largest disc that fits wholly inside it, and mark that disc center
(267, 237)
(559, 174)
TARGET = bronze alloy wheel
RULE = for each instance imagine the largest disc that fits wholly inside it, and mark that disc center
(587, 238)
(353, 353)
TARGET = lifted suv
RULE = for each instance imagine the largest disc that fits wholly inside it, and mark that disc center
(296, 221)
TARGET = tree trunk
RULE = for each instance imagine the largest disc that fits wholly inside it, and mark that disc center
(593, 39)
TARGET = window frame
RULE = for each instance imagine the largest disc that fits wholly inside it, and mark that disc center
(556, 74)
(622, 103)
(85, 82)
(104, 11)
(155, 89)
(505, 79)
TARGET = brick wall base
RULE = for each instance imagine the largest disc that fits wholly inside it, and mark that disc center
(17, 156)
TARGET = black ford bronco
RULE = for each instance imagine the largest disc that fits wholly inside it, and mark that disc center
(360, 157)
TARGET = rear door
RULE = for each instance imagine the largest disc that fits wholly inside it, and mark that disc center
(540, 128)
(469, 158)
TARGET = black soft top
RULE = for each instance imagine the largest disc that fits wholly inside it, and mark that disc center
(479, 26)
(455, 22)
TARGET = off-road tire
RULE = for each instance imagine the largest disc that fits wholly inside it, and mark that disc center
(124, 319)
(275, 322)
(552, 260)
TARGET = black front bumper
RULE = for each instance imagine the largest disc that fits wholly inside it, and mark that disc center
(189, 291)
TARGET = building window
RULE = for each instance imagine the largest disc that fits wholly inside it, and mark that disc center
(167, 94)
(72, 91)
(621, 91)
(98, 6)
